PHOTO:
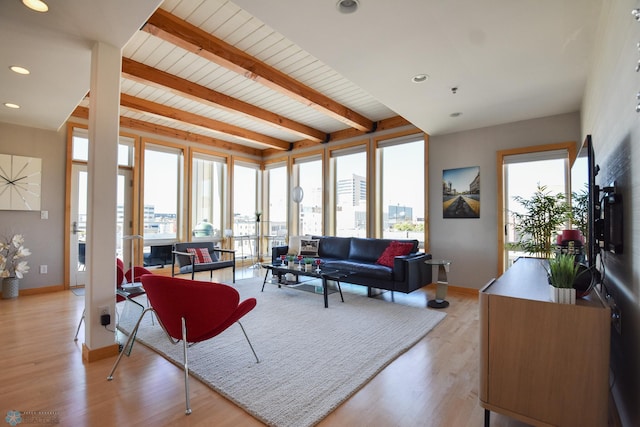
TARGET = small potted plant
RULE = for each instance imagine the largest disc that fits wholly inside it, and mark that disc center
(291, 262)
(308, 264)
(562, 273)
(12, 266)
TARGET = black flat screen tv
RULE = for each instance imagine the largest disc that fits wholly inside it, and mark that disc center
(583, 183)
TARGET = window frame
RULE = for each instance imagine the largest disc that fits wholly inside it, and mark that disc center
(308, 157)
(181, 209)
(334, 153)
(390, 140)
(223, 188)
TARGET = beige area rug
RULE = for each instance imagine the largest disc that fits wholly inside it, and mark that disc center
(311, 358)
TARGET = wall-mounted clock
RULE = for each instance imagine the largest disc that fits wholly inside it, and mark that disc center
(20, 179)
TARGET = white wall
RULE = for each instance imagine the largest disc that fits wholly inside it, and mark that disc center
(609, 116)
(471, 244)
(45, 238)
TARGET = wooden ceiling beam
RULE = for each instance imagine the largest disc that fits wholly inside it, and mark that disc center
(382, 125)
(145, 74)
(166, 131)
(150, 107)
(172, 29)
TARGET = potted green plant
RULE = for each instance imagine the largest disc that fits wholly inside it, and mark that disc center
(562, 273)
(291, 262)
(308, 264)
(537, 227)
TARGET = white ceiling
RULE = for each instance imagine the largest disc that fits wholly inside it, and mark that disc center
(56, 48)
(510, 59)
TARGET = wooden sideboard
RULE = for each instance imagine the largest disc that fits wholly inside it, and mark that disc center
(543, 363)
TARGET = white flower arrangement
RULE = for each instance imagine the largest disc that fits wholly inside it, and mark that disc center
(11, 253)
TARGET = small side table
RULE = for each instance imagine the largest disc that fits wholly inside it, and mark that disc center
(441, 284)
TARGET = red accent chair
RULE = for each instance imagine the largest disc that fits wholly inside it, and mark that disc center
(191, 311)
(138, 272)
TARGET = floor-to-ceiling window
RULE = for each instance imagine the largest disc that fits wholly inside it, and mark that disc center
(276, 183)
(245, 209)
(162, 192)
(309, 177)
(400, 184)
(208, 189)
(349, 184)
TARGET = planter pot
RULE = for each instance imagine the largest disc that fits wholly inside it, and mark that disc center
(308, 267)
(291, 265)
(10, 287)
(562, 295)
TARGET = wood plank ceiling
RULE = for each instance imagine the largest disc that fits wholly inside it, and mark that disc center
(207, 71)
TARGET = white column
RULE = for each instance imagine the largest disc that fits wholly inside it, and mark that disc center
(104, 121)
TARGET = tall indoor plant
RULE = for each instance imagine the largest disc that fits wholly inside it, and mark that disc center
(12, 265)
(544, 215)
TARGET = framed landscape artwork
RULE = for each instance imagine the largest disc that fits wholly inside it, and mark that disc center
(461, 192)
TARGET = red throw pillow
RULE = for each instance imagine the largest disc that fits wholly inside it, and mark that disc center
(394, 249)
(201, 255)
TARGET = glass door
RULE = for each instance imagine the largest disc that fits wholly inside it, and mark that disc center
(77, 255)
(522, 173)
(125, 241)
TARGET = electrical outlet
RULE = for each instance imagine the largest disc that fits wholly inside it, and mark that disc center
(43, 269)
(103, 310)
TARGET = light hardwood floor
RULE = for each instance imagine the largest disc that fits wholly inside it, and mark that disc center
(435, 383)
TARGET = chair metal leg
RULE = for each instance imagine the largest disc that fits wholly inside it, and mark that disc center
(75, 338)
(250, 345)
(186, 367)
(132, 336)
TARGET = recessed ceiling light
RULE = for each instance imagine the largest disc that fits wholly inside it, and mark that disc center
(456, 114)
(11, 105)
(419, 78)
(347, 6)
(20, 70)
(37, 5)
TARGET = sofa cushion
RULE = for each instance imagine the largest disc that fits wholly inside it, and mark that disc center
(201, 255)
(309, 247)
(183, 260)
(367, 249)
(334, 247)
(294, 244)
(394, 249)
(370, 270)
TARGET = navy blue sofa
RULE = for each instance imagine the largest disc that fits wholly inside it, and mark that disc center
(359, 255)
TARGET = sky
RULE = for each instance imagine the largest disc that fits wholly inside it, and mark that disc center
(460, 178)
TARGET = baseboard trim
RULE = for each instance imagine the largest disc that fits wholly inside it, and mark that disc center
(42, 290)
(89, 355)
(462, 290)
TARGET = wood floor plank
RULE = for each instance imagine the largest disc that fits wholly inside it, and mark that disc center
(435, 383)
